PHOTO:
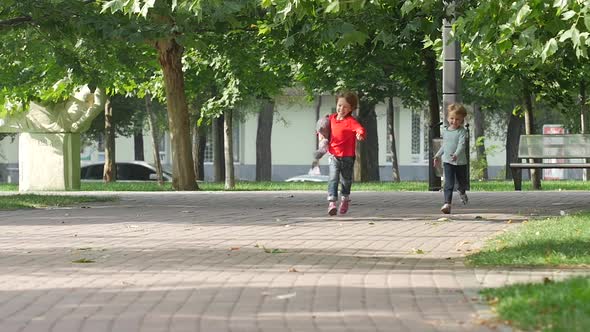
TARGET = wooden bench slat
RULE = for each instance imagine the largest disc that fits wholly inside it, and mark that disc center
(548, 165)
(544, 156)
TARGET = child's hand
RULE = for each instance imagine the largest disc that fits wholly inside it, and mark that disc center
(454, 157)
(359, 137)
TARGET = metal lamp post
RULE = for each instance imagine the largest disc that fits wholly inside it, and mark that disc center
(451, 74)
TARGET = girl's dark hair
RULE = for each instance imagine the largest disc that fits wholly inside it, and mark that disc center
(351, 98)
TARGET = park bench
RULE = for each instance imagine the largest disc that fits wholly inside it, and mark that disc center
(571, 151)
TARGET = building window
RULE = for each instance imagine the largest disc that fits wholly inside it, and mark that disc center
(419, 144)
(388, 153)
(416, 132)
(100, 147)
(162, 148)
(425, 139)
(209, 145)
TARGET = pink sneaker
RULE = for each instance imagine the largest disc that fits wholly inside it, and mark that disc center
(332, 208)
(344, 206)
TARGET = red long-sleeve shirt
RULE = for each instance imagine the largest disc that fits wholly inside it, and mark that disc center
(343, 136)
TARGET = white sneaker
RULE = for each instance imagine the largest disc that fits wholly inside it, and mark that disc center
(446, 208)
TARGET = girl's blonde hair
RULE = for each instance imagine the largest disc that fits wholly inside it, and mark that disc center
(457, 109)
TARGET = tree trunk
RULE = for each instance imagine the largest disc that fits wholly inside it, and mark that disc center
(199, 145)
(391, 133)
(110, 168)
(169, 56)
(434, 182)
(584, 121)
(263, 141)
(367, 151)
(138, 145)
(512, 141)
(155, 137)
(218, 149)
(230, 180)
(529, 128)
(479, 133)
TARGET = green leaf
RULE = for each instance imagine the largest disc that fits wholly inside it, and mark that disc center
(408, 6)
(549, 49)
(522, 14)
(565, 36)
(581, 51)
(569, 14)
(148, 4)
(575, 35)
(333, 7)
(113, 5)
(587, 20)
(561, 4)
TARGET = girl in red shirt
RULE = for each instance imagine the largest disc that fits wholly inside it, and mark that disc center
(345, 130)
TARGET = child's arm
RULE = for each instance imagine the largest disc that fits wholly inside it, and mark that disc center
(436, 158)
(460, 145)
(358, 129)
(439, 153)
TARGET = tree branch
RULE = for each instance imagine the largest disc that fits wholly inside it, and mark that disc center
(16, 21)
(26, 18)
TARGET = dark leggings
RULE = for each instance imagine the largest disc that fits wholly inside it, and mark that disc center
(452, 172)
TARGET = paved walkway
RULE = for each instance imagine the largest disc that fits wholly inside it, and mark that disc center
(270, 261)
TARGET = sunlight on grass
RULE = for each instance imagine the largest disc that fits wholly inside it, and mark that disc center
(554, 242)
(318, 186)
(549, 306)
(31, 201)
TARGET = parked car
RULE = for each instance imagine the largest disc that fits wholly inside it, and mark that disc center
(308, 178)
(126, 171)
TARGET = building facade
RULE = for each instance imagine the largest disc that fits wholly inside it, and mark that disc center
(293, 142)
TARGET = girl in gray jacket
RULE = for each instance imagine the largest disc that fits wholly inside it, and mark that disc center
(453, 155)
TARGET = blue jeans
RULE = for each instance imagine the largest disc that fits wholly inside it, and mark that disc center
(451, 172)
(341, 170)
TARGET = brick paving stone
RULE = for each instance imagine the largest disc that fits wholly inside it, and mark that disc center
(260, 261)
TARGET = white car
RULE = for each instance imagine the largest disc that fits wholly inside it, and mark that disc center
(126, 171)
(308, 178)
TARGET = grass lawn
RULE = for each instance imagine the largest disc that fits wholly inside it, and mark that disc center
(552, 306)
(30, 201)
(314, 186)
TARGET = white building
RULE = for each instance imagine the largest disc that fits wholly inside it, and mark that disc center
(293, 141)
